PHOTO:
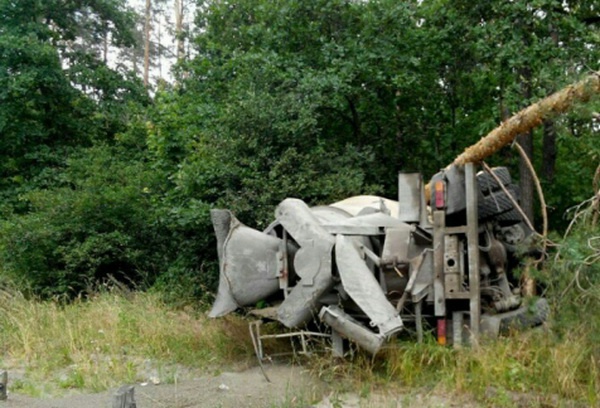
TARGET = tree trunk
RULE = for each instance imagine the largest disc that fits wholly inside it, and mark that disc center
(147, 43)
(549, 151)
(525, 177)
(159, 48)
(105, 47)
(525, 140)
(529, 118)
(179, 10)
(399, 133)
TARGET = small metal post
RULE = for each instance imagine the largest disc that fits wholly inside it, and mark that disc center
(419, 320)
(3, 385)
(457, 329)
(337, 344)
(124, 397)
(439, 224)
(303, 339)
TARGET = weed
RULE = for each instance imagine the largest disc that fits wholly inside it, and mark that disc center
(113, 338)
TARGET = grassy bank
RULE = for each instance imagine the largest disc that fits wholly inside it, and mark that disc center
(117, 338)
(535, 368)
(110, 339)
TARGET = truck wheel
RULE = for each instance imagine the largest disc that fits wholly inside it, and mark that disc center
(487, 183)
(497, 202)
(509, 217)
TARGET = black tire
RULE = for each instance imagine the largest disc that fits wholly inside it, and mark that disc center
(509, 217)
(497, 203)
(487, 183)
(526, 316)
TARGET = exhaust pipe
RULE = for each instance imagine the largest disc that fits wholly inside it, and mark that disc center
(349, 328)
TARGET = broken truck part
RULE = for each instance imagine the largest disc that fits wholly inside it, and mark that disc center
(368, 268)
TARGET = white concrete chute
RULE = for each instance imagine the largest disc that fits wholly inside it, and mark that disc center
(248, 265)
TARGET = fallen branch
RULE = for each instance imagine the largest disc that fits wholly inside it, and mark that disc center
(538, 187)
(527, 119)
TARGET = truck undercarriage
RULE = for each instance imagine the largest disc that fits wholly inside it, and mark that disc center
(367, 266)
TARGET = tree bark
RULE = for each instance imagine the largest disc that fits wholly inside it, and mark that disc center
(525, 177)
(179, 11)
(530, 117)
(147, 43)
(527, 119)
(549, 151)
(105, 47)
(525, 140)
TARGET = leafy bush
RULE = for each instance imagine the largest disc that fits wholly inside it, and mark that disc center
(98, 223)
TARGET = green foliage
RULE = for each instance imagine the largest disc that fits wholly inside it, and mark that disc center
(573, 278)
(317, 100)
(97, 224)
(52, 95)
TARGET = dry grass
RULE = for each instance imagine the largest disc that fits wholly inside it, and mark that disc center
(110, 339)
(534, 368)
(114, 338)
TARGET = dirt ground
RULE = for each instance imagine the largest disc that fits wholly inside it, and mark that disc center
(290, 386)
(230, 389)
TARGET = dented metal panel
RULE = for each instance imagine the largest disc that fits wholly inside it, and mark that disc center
(312, 262)
(363, 288)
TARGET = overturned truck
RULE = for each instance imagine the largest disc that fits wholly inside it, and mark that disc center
(442, 255)
(367, 266)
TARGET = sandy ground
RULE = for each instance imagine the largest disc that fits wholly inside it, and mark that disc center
(231, 389)
(290, 386)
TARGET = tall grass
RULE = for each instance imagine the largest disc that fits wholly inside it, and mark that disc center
(538, 367)
(112, 338)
